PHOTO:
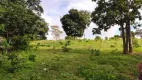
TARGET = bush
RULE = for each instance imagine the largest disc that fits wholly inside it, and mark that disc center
(98, 38)
(64, 47)
(16, 62)
(20, 42)
(4, 45)
(135, 43)
(69, 38)
(32, 57)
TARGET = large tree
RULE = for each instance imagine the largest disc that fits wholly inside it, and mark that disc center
(75, 22)
(21, 18)
(117, 12)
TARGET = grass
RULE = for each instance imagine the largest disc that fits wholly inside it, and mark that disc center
(77, 64)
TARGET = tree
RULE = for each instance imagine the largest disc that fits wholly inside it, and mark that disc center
(75, 22)
(116, 36)
(98, 38)
(139, 32)
(56, 32)
(18, 19)
(117, 12)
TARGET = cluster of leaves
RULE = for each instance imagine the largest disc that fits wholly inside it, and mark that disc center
(32, 57)
(117, 12)
(20, 43)
(21, 18)
(98, 38)
(115, 37)
(75, 22)
(95, 52)
(16, 62)
(65, 46)
(135, 43)
(69, 38)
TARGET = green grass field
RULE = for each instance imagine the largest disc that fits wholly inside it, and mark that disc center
(79, 63)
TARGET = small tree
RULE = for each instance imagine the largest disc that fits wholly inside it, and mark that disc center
(98, 38)
(56, 32)
(139, 32)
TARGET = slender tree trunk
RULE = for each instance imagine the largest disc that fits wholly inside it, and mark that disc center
(123, 38)
(127, 38)
(130, 40)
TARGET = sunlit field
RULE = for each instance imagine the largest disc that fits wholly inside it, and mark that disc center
(83, 60)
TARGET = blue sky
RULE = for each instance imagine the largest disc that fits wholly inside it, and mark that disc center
(55, 9)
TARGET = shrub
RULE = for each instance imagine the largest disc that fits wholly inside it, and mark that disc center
(135, 43)
(37, 46)
(15, 61)
(20, 42)
(98, 38)
(64, 47)
(4, 46)
(61, 43)
(69, 38)
(95, 52)
(32, 57)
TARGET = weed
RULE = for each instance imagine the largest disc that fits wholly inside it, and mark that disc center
(95, 52)
(32, 57)
(65, 46)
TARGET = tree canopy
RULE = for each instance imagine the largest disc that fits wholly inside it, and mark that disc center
(117, 12)
(75, 22)
(21, 18)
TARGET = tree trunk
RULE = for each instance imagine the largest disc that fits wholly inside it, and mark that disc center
(127, 38)
(123, 38)
(130, 40)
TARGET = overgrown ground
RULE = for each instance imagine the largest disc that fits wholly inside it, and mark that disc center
(80, 63)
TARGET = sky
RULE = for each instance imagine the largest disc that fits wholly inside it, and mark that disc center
(55, 9)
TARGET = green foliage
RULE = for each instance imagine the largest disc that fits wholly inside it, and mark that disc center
(37, 46)
(75, 22)
(98, 72)
(117, 12)
(109, 13)
(4, 45)
(20, 18)
(65, 46)
(95, 52)
(98, 38)
(69, 38)
(16, 62)
(32, 57)
(20, 43)
(77, 64)
(116, 36)
(135, 43)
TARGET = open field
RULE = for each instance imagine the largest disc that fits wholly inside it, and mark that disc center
(80, 63)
